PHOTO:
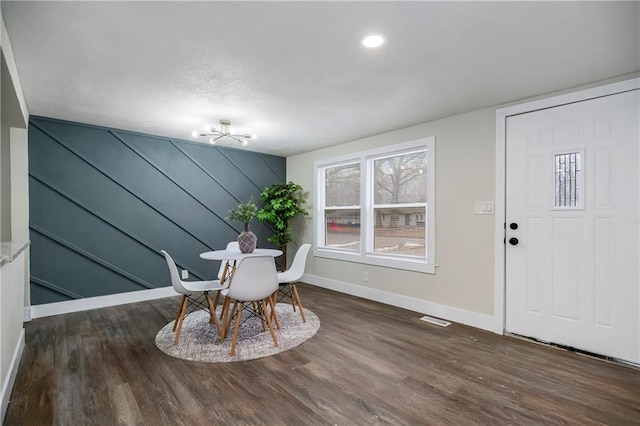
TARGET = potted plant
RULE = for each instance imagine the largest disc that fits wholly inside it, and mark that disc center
(282, 202)
(247, 240)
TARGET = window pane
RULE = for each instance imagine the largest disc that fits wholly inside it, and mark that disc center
(401, 179)
(342, 185)
(400, 231)
(568, 176)
(342, 229)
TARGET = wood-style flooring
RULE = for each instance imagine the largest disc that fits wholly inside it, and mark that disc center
(369, 364)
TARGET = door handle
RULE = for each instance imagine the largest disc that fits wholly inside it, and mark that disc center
(513, 241)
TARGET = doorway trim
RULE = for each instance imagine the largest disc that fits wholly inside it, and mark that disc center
(502, 114)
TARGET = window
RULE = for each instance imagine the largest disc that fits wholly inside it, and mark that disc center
(342, 206)
(377, 207)
(568, 180)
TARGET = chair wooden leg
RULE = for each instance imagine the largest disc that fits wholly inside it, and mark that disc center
(273, 312)
(263, 317)
(216, 300)
(223, 317)
(235, 332)
(175, 323)
(212, 312)
(265, 312)
(261, 313)
(223, 277)
(222, 281)
(291, 298)
(268, 317)
(225, 305)
(183, 311)
(229, 315)
(298, 302)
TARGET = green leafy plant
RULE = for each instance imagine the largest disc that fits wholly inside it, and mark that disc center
(244, 212)
(282, 202)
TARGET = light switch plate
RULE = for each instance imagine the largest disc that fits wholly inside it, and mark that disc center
(484, 207)
(185, 274)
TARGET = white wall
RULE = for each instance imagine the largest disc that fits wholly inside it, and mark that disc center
(14, 275)
(11, 331)
(463, 287)
(5, 184)
(465, 152)
(20, 197)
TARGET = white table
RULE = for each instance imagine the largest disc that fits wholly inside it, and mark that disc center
(237, 254)
(231, 257)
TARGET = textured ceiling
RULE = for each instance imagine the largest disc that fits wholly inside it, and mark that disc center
(294, 72)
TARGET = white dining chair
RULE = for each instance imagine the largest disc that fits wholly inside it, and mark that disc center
(251, 287)
(232, 245)
(225, 270)
(287, 280)
(192, 294)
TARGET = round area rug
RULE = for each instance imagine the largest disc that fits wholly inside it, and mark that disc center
(199, 340)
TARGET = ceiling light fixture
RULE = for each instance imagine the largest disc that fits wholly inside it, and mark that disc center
(373, 40)
(225, 131)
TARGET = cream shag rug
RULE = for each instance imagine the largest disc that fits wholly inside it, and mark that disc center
(199, 340)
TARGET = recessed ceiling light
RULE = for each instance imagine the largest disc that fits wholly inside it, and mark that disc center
(373, 40)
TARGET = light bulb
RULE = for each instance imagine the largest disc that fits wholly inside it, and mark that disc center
(195, 133)
(207, 128)
(231, 130)
(254, 136)
(212, 141)
(373, 40)
(244, 142)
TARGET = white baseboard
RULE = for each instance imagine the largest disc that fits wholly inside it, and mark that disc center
(449, 313)
(7, 385)
(26, 314)
(49, 309)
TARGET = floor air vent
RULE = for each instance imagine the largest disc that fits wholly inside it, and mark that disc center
(436, 321)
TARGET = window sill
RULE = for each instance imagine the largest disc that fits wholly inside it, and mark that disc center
(377, 260)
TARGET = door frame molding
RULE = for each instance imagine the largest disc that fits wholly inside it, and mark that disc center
(502, 114)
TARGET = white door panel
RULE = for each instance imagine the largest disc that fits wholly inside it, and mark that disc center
(572, 188)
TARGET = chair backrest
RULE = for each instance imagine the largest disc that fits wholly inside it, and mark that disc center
(232, 245)
(173, 272)
(254, 279)
(295, 272)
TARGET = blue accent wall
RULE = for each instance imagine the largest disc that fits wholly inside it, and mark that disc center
(104, 202)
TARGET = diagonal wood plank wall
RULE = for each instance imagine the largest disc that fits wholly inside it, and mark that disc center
(104, 202)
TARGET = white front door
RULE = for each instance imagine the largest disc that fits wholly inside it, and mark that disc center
(572, 235)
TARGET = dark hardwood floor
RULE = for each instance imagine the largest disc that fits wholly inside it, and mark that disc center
(369, 364)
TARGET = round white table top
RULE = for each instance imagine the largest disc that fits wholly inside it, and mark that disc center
(236, 254)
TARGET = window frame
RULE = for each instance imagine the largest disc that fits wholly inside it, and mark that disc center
(366, 255)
